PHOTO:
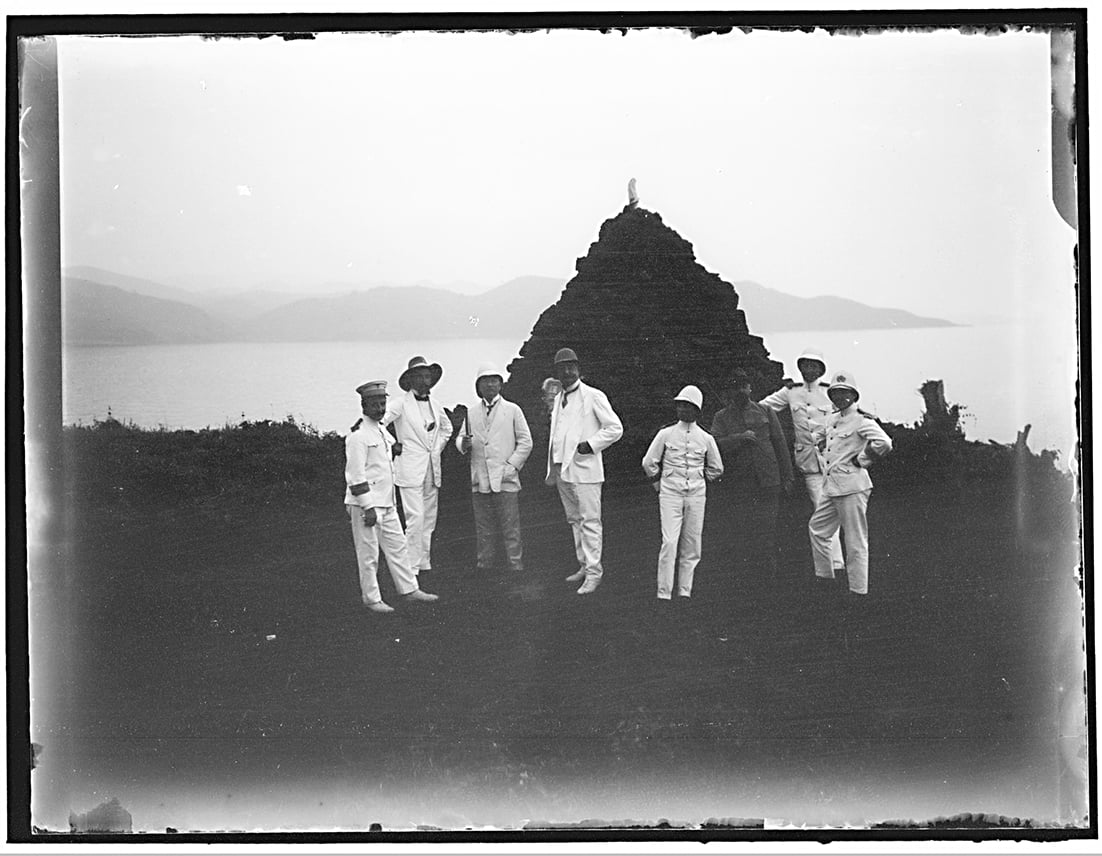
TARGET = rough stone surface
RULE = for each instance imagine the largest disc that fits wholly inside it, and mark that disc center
(645, 319)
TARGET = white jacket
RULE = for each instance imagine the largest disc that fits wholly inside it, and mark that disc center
(594, 422)
(368, 472)
(853, 442)
(812, 412)
(683, 457)
(500, 445)
(420, 448)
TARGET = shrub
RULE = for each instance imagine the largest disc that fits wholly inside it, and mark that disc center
(121, 464)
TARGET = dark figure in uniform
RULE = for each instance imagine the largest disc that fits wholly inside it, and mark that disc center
(757, 467)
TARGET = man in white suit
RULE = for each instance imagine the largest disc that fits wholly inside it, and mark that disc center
(497, 437)
(423, 430)
(583, 424)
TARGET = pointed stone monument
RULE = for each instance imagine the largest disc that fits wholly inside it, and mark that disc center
(645, 319)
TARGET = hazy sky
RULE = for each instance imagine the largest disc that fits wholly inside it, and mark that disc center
(908, 170)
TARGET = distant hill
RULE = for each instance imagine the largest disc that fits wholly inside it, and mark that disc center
(771, 311)
(98, 314)
(134, 284)
(106, 308)
(220, 303)
(512, 309)
(406, 312)
(243, 305)
(381, 313)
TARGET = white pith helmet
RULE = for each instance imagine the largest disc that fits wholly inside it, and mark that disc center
(487, 370)
(845, 380)
(812, 354)
(692, 395)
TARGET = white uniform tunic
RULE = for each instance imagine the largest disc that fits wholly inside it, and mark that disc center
(852, 442)
(369, 480)
(811, 414)
(684, 457)
(812, 411)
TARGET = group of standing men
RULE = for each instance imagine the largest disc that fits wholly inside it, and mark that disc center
(496, 436)
(835, 442)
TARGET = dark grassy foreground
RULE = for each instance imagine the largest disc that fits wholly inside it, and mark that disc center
(204, 632)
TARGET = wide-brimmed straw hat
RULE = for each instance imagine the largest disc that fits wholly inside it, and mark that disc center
(420, 363)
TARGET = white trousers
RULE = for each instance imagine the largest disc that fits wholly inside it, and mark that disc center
(419, 505)
(682, 524)
(847, 512)
(387, 533)
(582, 504)
(497, 516)
(814, 482)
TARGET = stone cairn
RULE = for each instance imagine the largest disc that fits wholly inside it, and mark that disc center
(645, 319)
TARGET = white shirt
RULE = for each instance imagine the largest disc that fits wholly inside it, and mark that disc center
(427, 415)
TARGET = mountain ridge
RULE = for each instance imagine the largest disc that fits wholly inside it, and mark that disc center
(117, 309)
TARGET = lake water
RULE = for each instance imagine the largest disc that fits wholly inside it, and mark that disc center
(1005, 376)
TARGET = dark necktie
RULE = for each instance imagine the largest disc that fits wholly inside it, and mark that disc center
(420, 397)
(566, 394)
